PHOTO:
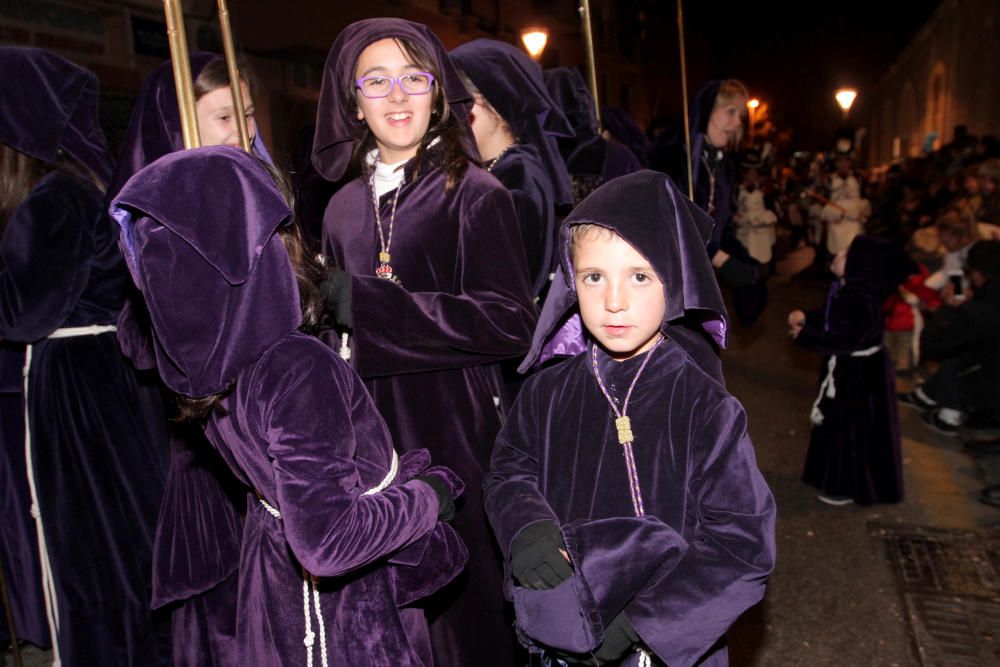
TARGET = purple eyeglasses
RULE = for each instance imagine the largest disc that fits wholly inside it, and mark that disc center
(411, 83)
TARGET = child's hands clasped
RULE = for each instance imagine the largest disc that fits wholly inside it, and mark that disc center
(538, 557)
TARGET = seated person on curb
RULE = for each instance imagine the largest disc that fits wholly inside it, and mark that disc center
(964, 337)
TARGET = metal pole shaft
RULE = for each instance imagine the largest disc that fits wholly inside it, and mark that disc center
(588, 36)
(181, 63)
(684, 98)
(235, 82)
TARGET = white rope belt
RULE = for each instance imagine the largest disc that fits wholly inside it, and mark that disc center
(309, 581)
(48, 580)
(827, 388)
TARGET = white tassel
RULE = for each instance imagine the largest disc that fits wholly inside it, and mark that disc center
(644, 659)
(345, 350)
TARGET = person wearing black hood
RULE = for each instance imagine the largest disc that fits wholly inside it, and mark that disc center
(854, 446)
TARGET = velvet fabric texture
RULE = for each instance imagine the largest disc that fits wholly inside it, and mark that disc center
(429, 352)
(311, 461)
(513, 85)
(701, 554)
(18, 545)
(646, 209)
(337, 126)
(49, 104)
(520, 170)
(589, 157)
(96, 431)
(200, 523)
(855, 451)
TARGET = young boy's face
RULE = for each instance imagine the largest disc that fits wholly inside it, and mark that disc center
(621, 297)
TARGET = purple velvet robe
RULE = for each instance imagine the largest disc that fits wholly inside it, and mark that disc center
(700, 555)
(855, 451)
(95, 428)
(520, 170)
(196, 549)
(429, 354)
(224, 306)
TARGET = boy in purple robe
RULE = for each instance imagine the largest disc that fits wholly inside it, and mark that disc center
(89, 460)
(428, 283)
(341, 535)
(623, 488)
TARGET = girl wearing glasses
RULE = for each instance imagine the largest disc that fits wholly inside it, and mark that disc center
(428, 284)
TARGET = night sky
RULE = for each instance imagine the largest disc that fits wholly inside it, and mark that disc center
(795, 54)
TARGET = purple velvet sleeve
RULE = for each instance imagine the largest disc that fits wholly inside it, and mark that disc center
(320, 422)
(491, 318)
(511, 495)
(688, 605)
(45, 257)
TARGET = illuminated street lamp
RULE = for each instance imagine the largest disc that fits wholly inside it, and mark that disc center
(752, 105)
(845, 98)
(535, 40)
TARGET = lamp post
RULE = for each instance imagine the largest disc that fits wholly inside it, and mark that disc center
(845, 98)
(752, 105)
(534, 40)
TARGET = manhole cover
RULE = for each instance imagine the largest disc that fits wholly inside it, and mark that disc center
(950, 585)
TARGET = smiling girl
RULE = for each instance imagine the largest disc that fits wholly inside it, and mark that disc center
(430, 282)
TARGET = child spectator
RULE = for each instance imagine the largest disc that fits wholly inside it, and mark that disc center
(755, 224)
(854, 447)
(623, 487)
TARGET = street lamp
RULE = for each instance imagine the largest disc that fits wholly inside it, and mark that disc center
(845, 98)
(535, 40)
(752, 105)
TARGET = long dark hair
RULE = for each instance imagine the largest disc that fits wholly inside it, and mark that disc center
(308, 273)
(450, 153)
(20, 173)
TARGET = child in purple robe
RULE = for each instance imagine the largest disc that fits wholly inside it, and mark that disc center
(428, 278)
(341, 536)
(89, 461)
(198, 531)
(516, 123)
(854, 445)
(623, 488)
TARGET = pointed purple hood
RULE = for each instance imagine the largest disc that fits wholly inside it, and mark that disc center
(513, 85)
(198, 233)
(337, 126)
(647, 210)
(48, 104)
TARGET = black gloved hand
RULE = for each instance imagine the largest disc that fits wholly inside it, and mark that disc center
(737, 273)
(336, 291)
(619, 638)
(446, 504)
(535, 559)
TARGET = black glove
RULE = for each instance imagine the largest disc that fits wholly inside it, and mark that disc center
(737, 273)
(336, 291)
(535, 560)
(446, 504)
(619, 638)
